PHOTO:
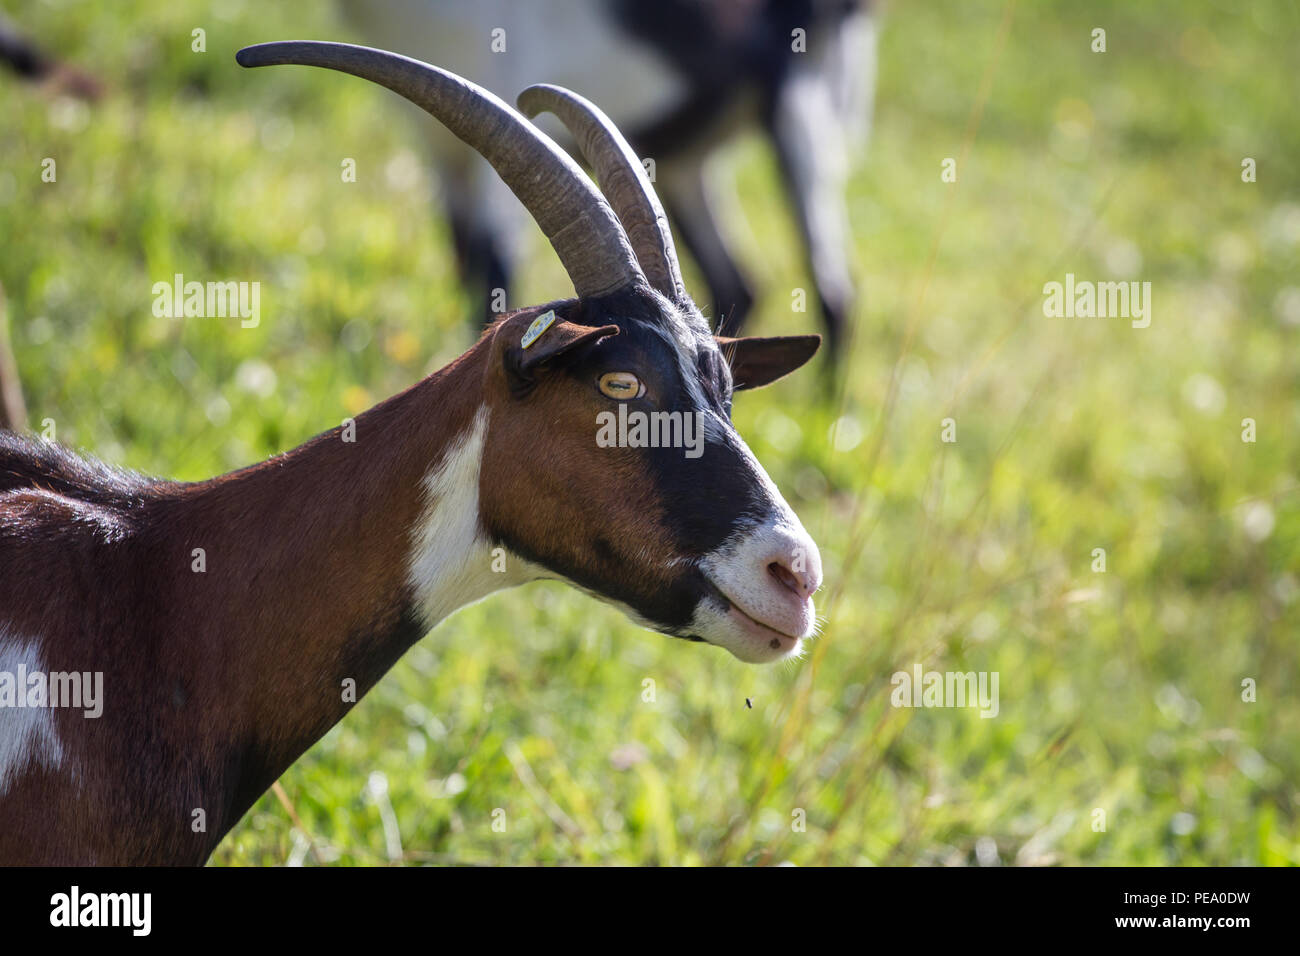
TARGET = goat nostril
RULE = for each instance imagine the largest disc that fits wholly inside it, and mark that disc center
(786, 577)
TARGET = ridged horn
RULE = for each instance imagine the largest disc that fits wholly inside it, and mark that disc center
(622, 179)
(583, 229)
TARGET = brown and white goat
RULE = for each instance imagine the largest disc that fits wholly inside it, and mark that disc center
(322, 566)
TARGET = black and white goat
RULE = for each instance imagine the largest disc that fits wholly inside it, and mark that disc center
(680, 77)
(22, 55)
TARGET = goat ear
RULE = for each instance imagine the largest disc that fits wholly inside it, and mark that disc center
(756, 362)
(546, 340)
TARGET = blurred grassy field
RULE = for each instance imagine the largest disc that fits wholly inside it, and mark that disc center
(1120, 691)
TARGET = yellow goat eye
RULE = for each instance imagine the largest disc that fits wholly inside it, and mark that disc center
(622, 385)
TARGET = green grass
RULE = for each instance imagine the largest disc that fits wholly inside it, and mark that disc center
(1120, 691)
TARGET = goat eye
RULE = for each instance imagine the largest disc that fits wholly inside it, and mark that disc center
(621, 385)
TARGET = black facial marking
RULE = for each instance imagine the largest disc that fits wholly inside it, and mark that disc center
(707, 499)
(712, 496)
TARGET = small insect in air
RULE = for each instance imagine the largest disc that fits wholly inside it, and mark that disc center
(749, 702)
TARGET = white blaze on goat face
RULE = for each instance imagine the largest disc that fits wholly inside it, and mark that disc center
(764, 574)
(769, 568)
(768, 573)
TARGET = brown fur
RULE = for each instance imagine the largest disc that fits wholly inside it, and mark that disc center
(586, 507)
(215, 682)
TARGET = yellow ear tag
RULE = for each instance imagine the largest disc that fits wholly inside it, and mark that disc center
(540, 325)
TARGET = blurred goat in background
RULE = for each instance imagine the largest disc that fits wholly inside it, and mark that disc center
(23, 56)
(682, 78)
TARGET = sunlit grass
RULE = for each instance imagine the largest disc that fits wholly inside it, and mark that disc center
(1120, 691)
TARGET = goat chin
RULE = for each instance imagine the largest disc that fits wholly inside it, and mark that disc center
(764, 577)
(744, 637)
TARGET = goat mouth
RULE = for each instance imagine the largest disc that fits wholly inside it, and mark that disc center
(748, 621)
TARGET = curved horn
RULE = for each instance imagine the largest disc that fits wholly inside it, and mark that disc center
(568, 207)
(622, 179)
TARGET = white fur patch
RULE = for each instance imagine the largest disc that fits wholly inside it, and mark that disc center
(452, 564)
(506, 45)
(27, 734)
(738, 568)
